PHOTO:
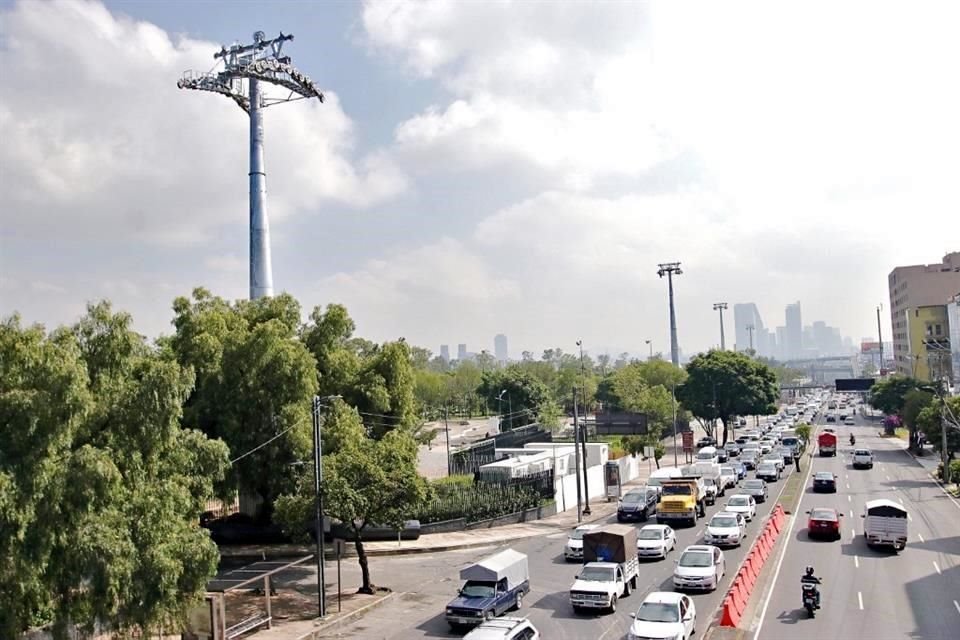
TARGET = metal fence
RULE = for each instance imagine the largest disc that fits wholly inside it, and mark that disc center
(542, 482)
(486, 499)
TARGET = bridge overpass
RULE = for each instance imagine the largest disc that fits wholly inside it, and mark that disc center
(827, 369)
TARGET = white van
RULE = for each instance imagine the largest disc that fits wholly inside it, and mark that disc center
(663, 473)
(885, 523)
(708, 454)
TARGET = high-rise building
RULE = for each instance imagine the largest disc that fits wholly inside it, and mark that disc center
(953, 319)
(745, 315)
(500, 347)
(781, 353)
(928, 342)
(916, 286)
(445, 352)
(794, 332)
(461, 352)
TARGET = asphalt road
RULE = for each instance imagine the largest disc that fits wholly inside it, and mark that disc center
(868, 593)
(429, 582)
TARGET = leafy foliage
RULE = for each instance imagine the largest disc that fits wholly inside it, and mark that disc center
(100, 488)
(723, 384)
(475, 502)
(889, 394)
(523, 395)
(930, 421)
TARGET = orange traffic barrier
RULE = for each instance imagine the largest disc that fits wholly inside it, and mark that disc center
(741, 590)
(729, 617)
(745, 575)
(774, 523)
(738, 598)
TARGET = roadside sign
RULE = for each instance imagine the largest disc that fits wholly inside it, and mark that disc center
(648, 452)
(688, 440)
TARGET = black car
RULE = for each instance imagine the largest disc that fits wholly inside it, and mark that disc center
(722, 455)
(637, 505)
(824, 481)
(706, 441)
(831, 418)
(732, 449)
(755, 488)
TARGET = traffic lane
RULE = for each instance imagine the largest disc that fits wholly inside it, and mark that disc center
(865, 591)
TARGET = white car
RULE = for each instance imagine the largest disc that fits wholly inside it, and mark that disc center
(655, 541)
(765, 447)
(505, 628)
(726, 529)
(574, 547)
(743, 504)
(862, 458)
(850, 422)
(729, 476)
(700, 567)
(776, 459)
(664, 614)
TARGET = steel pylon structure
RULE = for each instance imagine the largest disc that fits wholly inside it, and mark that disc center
(245, 68)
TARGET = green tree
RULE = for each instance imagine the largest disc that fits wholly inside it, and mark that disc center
(889, 394)
(914, 402)
(365, 482)
(724, 384)
(100, 488)
(523, 396)
(931, 418)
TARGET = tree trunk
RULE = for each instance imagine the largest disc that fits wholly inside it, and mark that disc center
(366, 586)
(723, 421)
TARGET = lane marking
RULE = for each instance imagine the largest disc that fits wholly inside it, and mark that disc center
(900, 500)
(849, 499)
(851, 513)
(920, 535)
(848, 485)
(887, 477)
(937, 567)
(957, 605)
(860, 600)
(856, 561)
(909, 517)
(853, 533)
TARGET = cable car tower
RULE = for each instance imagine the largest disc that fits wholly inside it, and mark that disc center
(245, 68)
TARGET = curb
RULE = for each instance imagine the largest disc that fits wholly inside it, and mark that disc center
(347, 617)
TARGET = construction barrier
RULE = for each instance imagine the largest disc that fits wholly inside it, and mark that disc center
(738, 597)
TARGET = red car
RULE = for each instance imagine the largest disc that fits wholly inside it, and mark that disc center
(824, 522)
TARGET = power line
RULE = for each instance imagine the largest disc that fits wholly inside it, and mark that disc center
(262, 445)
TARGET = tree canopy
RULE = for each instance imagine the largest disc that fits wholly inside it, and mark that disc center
(724, 384)
(101, 488)
(889, 394)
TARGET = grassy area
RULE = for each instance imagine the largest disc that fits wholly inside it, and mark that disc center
(793, 491)
(902, 433)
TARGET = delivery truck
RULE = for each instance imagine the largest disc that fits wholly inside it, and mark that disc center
(490, 587)
(827, 443)
(611, 568)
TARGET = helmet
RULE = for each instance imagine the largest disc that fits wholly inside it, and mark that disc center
(809, 571)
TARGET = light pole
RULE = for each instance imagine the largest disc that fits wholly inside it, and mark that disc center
(583, 378)
(650, 345)
(720, 306)
(673, 396)
(500, 407)
(880, 338)
(446, 427)
(318, 515)
(670, 268)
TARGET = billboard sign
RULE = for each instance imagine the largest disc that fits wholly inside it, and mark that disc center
(869, 347)
(688, 440)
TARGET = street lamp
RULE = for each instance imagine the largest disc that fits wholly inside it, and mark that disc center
(318, 515)
(668, 269)
(500, 407)
(650, 345)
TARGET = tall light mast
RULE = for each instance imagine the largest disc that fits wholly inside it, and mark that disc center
(246, 68)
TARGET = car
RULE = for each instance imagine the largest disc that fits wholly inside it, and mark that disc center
(732, 449)
(705, 441)
(655, 541)
(824, 481)
(776, 459)
(749, 460)
(786, 453)
(823, 521)
(725, 529)
(765, 446)
(637, 504)
(850, 422)
(742, 503)
(740, 469)
(768, 471)
(829, 429)
(574, 547)
(700, 566)
(743, 422)
(831, 418)
(722, 455)
(862, 458)
(756, 488)
(664, 614)
(504, 628)
(729, 476)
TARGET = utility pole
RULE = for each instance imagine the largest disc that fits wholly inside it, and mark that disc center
(446, 427)
(750, 329)
(670, 268)
(673, 396)
(576, 453)
(586, 466)
(650, 344)
(880, 338)
(247, 66)
(720, 306)
(583, 378)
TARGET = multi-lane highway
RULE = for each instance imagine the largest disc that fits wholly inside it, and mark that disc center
(428, 583)
(868, 593)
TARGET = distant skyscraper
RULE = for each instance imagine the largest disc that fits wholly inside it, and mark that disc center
(461, 352)
(794, 345)
(746, 314)
(781, 343)
(500, 347)
(445, 352)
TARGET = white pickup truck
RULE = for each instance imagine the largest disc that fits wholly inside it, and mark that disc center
(611, 570)
(885, 523)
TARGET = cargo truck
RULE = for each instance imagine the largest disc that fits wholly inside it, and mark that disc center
(827, 443)
(611, 568)
(491, 587)
(682, 499)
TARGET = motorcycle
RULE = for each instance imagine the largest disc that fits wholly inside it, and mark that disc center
(810, 598)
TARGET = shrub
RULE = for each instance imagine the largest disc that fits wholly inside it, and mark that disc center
(476, 502)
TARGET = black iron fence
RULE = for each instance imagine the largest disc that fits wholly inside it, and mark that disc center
(486, 498)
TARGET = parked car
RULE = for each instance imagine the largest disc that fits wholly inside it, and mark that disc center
(637, 505)
(701, 566)
(664, 614)
(824, 481)
(862, 458)
(573, 550)
(726, 529)
(742, 503)
(505, 628)
(655, 541)
(823, 521)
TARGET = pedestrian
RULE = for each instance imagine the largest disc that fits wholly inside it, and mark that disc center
(796, 461)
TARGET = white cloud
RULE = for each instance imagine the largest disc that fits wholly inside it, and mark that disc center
(100, 143)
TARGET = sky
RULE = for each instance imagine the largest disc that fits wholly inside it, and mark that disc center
(486, 167)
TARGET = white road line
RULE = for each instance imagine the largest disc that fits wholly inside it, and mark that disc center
(937, 567)
(851, 513)
(853, 533)
(849, 499)
(860, 600)
(900, 500)
(909, 517)
(920, 535)
(957, 605)
(848, 485)
(856, 562)
(887, 477)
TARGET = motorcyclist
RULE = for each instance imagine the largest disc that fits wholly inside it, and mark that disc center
(809, 578)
